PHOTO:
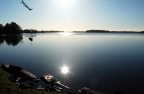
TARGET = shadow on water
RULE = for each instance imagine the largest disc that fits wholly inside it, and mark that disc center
(11, 40)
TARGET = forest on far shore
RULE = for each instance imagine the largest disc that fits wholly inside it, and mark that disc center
(14, 28)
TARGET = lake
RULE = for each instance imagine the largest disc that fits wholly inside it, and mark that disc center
(107, 62)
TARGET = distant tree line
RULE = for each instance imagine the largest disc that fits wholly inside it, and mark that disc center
(98, 31)
(106, 31)
(30, 31)
(36, 31)
(14, 28)
(10, 28)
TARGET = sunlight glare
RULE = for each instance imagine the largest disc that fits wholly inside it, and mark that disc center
(65, 3)
(65, 70)
(66, 33)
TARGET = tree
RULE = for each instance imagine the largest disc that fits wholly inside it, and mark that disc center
(12, 28)
(1, 29)
(15, 28)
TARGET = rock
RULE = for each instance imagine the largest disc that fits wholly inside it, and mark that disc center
(28, 74)
(20, 73)
(48, 78)
(31, 39)
(5, 66)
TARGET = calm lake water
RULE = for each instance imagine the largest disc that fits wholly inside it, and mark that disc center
(107, 62)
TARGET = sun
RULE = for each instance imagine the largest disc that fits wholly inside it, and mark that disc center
(65, 3)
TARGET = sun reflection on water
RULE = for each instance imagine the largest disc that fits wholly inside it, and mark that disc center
(65, 70)
(66, 33)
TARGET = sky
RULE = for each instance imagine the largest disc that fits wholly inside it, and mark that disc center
(75, 15)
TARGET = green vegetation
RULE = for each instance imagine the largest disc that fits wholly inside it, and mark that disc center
(8, 87)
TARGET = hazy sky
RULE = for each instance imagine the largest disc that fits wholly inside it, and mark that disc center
(70, 15)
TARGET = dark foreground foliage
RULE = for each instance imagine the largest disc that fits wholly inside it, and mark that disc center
(8, 87)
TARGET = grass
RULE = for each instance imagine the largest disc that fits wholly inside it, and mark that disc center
(8, 87)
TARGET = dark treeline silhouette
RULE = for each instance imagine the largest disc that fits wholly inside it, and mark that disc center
(36, 31)
(30, 31)
(107, 31)
(1, 28)
(10, 28)
(11, 39)
(12, 34)
(13, 28)
(50, 31)
(98, 31)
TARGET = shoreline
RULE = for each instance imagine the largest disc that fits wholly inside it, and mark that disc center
(8, 87)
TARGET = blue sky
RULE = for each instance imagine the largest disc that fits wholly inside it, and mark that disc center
(75, 15)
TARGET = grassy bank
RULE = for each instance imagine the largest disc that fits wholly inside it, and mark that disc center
(8, 87)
